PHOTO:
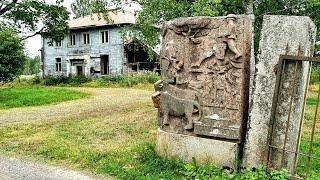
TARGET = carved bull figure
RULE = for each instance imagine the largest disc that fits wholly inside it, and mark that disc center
(174, 106)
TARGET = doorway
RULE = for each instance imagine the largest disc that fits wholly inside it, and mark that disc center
(80, 71)
(104, 65)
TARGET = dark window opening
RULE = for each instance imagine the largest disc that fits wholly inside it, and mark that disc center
(58, 64)
(104, 37)
(86, 38)
(72, 39)
(58, 43)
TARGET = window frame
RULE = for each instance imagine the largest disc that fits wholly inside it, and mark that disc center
(58, 65)
(72, 41)
(86, 40)
(58, 44)
(102, 41)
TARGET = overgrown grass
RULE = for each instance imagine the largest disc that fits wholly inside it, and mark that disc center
(141, 79)
(119, 142)
(303, 164)
(34, 96)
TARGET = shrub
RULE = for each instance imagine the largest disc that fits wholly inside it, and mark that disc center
(52, 80)
(79, 80)
(125, 80)
(315, 74)
(63, 80)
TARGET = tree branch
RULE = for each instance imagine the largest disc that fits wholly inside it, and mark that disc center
(34, 34)
(285, 9)
(8, 7)
(232, 5)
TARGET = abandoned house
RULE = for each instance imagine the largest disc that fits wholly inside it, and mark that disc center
(95, 47)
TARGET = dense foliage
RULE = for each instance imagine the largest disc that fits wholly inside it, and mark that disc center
(82, 7)
(21, 19)
(12, 56)
(32, 17)
(155, 12)
(126, 80)
(32, 66)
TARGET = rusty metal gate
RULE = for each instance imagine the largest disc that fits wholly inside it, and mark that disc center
(294, 136)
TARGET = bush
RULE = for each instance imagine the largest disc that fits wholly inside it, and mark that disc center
(63, 80)
(12, 56)
(127, 80)
(315, 74)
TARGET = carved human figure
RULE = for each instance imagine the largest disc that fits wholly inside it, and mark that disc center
(230, 35)
(207, 47)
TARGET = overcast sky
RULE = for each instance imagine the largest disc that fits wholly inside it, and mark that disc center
(33, 45)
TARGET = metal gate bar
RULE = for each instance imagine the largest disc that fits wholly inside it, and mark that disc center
(302, 117)
(281, 70)
(293, 84)
(313, 129)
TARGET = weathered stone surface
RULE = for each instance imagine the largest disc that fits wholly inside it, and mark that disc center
(280, 35)
(205, 76)
(185, 147)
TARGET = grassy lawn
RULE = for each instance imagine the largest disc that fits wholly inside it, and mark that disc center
(35, 96)
(314, 170)
(118, 142)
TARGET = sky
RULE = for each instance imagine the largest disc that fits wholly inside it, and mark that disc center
(33, 45)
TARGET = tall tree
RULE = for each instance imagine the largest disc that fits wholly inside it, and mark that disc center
(12, 55)
(22, 19)
(155, 12)
(32, 17)
(87, 7)
(32, 66)
(82, 7)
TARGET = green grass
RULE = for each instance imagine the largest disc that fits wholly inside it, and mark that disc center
(314, 169)
(135, 80)
(119, 142)
(35, 96)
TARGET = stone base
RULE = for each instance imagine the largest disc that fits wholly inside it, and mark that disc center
(184, 147)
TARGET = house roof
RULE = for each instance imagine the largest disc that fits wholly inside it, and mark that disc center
(97, 20)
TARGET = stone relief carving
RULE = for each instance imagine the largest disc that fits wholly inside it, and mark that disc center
(174, 106)
(204, 62)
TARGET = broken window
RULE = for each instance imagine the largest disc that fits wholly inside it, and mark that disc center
(104, 37)
(72, 39)
(86, 38)
(58, 64)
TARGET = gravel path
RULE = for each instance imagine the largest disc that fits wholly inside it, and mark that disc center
(89, 107)
(96, 105)
(16, 169)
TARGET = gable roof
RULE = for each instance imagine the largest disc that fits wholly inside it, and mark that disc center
(97, 20)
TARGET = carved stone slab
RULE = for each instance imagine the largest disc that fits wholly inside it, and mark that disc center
(205, 76)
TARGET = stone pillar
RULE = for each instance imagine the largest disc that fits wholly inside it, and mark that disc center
(289, 35)
(204, 93)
